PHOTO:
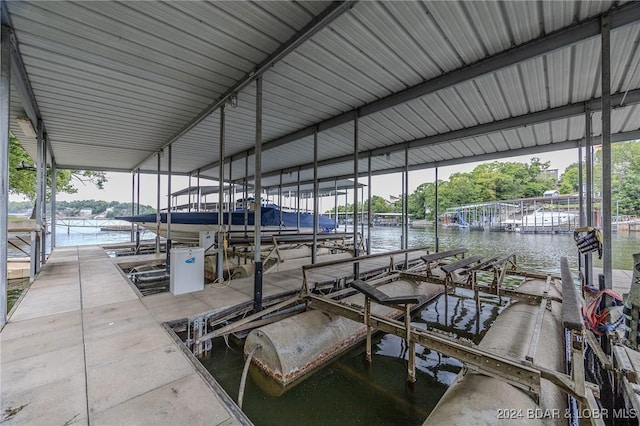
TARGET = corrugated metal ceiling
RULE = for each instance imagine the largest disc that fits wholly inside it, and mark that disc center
(115, 81)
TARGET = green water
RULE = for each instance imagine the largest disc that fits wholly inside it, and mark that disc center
(347, 391)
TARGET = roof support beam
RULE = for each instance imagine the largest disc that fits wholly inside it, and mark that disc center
(332, 12)
(563, 112)
(559, 39)
(530, 150)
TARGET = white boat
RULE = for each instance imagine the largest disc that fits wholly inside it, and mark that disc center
(542, 219)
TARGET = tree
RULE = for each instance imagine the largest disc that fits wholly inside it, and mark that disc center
(486, 182)
(422, 201)
(625, 175)
(22, 180)
(378, 205)
(569, 181)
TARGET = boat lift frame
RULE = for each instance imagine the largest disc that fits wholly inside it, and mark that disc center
(523, 374)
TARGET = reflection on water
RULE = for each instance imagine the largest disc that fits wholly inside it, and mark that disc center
(540, 252)
(347, 391)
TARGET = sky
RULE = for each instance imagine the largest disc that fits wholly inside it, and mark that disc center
(118, 187)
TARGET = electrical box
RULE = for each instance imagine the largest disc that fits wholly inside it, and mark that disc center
(187, 270)
(207, 240)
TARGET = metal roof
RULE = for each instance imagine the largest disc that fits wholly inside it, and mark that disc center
(456, 81)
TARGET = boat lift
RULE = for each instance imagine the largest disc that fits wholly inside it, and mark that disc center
(521, 373)
(326, 284)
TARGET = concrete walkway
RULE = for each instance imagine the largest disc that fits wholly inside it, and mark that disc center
(82, 348)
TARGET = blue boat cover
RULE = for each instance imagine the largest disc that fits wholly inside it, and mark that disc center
(270, 217)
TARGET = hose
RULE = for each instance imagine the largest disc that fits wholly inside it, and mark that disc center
(243, 379)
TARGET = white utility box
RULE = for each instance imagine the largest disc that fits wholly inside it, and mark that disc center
(207, 240)
(187, 270)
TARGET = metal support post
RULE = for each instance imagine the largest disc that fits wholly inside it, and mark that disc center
(246, 193)
(53, 202)
(169, 207)
(298, 202)
(335, 204)
(314, 247)
(189, 193)
(369, 207)
(40, 161)
(280, 200)
(405, 206)
(435, 219)
(137, 212)
(5, 89)
(588, 265)
(232, 198)
(43, 204)
(158, 218)
(606, 151)
(257, 277)
(581, 186)
(220, 239)
(356, 251)
(199, 191)
(133, 201)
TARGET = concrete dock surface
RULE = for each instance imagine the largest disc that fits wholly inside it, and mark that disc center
(83, 347)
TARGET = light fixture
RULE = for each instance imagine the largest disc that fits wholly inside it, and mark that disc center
(25, 166)
(232, 101)
(26, 127)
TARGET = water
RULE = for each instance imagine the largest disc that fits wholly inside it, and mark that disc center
(81, 235)
(347, 391)
(540, 252)
(78, 236)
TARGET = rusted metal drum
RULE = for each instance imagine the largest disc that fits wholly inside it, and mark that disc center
(295, 347)
(481, 400)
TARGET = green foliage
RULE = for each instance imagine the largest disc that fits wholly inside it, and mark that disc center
(487, 182)
(378, 205)
(422, 201)
(23, 181)
(625, 176)
(570, 179)
(72, 208)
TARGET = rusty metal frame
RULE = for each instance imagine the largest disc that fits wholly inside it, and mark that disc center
(501, 367)
(504, 368)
